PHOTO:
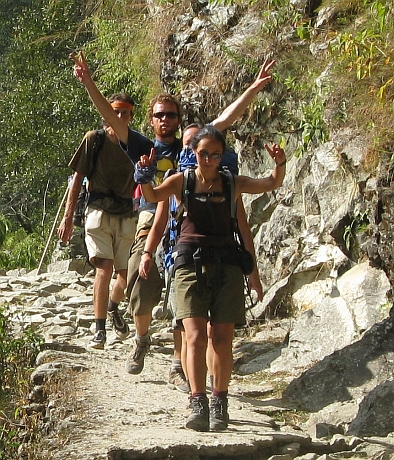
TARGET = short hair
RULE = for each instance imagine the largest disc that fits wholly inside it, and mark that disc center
(208, 132)
(192, 125)
(161, 99)
(121, 97)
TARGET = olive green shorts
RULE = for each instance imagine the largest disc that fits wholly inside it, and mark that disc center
(143, 294)
(221, 302)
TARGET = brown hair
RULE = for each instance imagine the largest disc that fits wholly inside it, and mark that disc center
(161, 99)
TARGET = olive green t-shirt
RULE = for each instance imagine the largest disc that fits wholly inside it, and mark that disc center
(111, 179)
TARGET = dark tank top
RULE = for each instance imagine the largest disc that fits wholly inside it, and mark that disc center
(207, 223)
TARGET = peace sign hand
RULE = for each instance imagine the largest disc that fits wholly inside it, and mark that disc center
(81, 70)
(145, 170)
(264, 77)
(146, 160)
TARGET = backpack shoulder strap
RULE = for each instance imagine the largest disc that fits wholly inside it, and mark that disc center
(97, 146)
(189, 182)
(229, 189)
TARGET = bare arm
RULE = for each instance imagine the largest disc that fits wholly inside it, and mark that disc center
(66, 225)
(154, 237)
(254, 279)
(245, 184)
(238, 107)
(82, 73)
(171, 186)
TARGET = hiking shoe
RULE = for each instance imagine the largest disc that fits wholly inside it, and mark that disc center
(177, 380)
(218, 415)
(98, 340)
(198, 420)
(118, 324)
(135, 360)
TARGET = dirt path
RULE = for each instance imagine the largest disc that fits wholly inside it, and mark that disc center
(114, 415)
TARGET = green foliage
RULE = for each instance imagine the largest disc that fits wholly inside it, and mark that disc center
(18, 352)
(43, 112)
(357, 226)
(312, 126)
(21, 249)
(4, 228)
(367, 51)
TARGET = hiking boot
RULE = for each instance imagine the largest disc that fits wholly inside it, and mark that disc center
(198, 420)
(135, 360)
(118, 324)
(177, 380)
(218, 415)
(98, 340)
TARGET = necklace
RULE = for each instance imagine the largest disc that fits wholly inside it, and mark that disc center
(205, 181)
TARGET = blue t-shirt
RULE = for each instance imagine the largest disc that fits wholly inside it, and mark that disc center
(166, 157)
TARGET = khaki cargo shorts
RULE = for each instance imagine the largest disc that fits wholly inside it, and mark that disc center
(109, 237)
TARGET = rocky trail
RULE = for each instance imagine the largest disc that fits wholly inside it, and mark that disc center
(93, 409)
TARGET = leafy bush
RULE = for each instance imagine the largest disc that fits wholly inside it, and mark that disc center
(20, 250)
(17, 355)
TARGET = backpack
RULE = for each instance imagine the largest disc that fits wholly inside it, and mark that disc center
(245, 258)
(82, 200)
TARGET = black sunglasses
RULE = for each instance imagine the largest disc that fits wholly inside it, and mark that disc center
(161, 115)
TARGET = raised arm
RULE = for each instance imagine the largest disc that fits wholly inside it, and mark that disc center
(144, 173)
(238, 107)
(245, 184)
(82, 73)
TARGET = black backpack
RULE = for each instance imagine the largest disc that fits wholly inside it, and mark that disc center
(245, 258)
(82, 201)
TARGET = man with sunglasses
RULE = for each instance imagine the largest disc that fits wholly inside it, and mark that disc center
(144, 294)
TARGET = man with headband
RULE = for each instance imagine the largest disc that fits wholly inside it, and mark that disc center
(110, 222)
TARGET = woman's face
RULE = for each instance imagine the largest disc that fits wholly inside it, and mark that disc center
(209, 152)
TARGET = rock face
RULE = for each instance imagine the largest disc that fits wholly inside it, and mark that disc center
(324, 239)
(332, 212)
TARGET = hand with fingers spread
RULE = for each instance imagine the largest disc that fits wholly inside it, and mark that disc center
(277, 154)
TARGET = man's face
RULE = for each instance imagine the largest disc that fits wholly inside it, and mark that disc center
(124, 114)
(165, 120)
(188, 136)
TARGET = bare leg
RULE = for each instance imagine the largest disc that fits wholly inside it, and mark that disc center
(196, 338)
(102, 279)
(142, 323)
(118, 289)
(222, 354)
(184, 354)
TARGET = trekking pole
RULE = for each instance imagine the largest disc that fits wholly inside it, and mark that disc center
(52, 232)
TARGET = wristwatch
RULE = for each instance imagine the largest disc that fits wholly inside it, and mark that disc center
(146, 252)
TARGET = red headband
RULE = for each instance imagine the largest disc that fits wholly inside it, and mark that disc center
(122, 105)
